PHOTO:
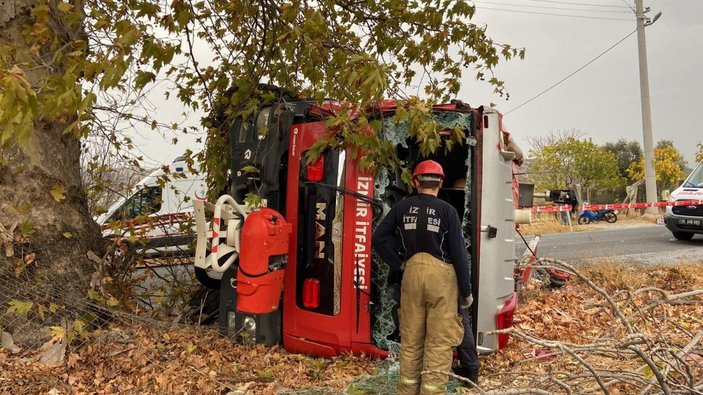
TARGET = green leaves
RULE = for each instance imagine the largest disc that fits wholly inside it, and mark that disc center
(355, 52)
(64, 7)
(668, 166)
(626, 152)
(112, 75)
(102, 58)
(26, 229)
(253, 200)
(18, 106)
(576, 161)
(127, 34)
(19, 307)
(58, 192)
(143, 78)
(109, 301)
(94, 295)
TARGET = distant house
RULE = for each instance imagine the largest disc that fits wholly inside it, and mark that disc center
(527, 187)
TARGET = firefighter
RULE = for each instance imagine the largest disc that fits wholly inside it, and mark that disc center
(436, 271)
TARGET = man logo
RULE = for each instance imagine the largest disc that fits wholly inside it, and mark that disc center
(320, 231)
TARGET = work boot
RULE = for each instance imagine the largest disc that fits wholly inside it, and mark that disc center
(466, 372)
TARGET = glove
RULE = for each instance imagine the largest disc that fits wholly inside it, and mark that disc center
(466, 302)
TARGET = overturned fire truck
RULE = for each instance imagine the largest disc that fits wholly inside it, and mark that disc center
(301, 271)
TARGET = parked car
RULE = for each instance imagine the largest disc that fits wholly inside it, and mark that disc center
(684, 221)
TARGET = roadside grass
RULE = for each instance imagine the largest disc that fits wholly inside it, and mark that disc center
(549, 223)
(614, 276)
(545, 223)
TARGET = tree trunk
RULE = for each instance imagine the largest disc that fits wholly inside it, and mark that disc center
(58, 227)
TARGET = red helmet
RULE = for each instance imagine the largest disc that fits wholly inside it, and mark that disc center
(429, 167)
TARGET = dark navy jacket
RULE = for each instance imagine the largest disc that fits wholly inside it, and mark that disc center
(443, 237)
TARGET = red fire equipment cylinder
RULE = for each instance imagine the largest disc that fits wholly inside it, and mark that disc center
(260, 275)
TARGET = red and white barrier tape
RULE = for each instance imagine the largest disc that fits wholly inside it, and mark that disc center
(616, 206)
(550, 209)
(145, 222)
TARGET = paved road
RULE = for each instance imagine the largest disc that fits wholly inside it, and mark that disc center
(652, 244)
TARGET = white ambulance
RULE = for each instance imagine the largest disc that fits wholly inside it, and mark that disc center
(684, 221)
(156, 216)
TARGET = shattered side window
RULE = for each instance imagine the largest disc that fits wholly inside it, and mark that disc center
(451, 119)
(385, 284)
(397, 133)
(384, 321)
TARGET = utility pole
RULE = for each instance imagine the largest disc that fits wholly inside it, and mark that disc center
(649, 172)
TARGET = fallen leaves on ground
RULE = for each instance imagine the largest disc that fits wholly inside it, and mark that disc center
(576, 315)
(141, 359)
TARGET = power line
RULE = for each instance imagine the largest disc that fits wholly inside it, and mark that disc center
(551, 14)
(551, 7)
(629, 5)
(577, 4)
(570, 75)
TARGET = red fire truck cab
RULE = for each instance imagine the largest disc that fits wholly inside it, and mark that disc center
(309, 256)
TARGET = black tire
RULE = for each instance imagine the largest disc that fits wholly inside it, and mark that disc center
(205, 279)
(611, 217)
(555, 282)
(682, 235)
(584, 221)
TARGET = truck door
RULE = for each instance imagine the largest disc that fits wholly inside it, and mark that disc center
(326, 297)
(313, 281)
(320, 223)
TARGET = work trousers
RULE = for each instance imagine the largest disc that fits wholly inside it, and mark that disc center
(429, 325)
(468, 356)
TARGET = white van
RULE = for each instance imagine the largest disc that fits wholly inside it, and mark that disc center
(685, 221)
(157, 213)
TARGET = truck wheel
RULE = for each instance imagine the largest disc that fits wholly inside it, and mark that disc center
(682, 235)
(584, 221)
(204, 278)
(611, 217)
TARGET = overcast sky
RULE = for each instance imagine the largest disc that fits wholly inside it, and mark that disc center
(603, 99)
